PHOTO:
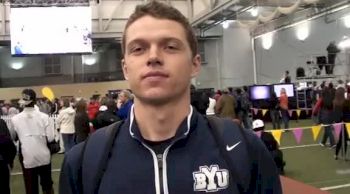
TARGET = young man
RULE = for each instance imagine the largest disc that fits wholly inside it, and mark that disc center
(33, 130)
(165, 146)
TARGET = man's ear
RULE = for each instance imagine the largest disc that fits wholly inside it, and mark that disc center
(125, 69)
(196, 65)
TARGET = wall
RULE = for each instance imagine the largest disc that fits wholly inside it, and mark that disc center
(288, 53)
(72, 70)
(229, 59)
(237, 67)
(85, 90)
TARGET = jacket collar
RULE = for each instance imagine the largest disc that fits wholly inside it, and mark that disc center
(182, 132)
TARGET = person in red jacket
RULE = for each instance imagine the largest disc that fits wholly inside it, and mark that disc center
(93, 108)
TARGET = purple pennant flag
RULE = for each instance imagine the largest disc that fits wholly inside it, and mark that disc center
(337, 129)
(258, 133)
(255, 111)
(290, 113)
(298, 134)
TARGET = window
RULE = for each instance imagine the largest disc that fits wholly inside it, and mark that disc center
(52, 65)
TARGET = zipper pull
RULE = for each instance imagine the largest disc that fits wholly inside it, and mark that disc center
(160, 161)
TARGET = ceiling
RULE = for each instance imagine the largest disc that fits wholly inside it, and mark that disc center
(268, 11)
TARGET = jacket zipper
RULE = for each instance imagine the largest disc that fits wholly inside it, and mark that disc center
(159, 161)
(156, 170)
(160, 167)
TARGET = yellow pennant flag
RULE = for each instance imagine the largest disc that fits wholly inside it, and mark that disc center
(298, 112)
(316, 131)
(348, 128)
(277, 135)
(264, 112)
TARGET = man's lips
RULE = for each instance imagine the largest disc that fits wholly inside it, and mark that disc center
(155, 74)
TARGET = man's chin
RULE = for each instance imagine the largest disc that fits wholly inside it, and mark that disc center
(155, 101)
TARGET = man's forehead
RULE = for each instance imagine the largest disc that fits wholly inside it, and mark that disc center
(151, 27)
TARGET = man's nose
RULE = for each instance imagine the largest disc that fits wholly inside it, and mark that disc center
(155, 56)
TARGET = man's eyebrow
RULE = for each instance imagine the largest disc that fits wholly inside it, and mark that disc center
(135, 41)
(162, 40)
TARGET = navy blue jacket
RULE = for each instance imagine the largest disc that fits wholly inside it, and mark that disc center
(191, 164)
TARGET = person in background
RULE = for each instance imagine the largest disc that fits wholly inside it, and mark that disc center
(13, 110)
(199, 100)
(286, 78)
(217, 95)
(332, 50)
(55, 106)
(93, 108)
(271, 144)
(212, 102)
(341, 109)
(7, 155)
(5, 109)
(246, 107)
(101, 109)
(225, 106)
(284, 107)
(65, 122)
(108, 116)
(126, 103)
(274, 111)
(325, 106)
(44, 106)
(81, 122)
(34, 131)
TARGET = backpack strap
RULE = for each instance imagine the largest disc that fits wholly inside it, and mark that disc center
(217, 127)
(111, 132)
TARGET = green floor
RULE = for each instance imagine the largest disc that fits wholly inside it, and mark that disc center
(313, 165)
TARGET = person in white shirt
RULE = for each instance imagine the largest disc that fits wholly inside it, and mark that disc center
(33, 130)
(65, 122)
(211, 107)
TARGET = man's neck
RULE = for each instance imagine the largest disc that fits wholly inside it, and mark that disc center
(159, 123)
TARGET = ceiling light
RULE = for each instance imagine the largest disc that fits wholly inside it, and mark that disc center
(267, 40)
(302, 31)
(89, 59)
(254, 11)
(17, 65)
(225, 24)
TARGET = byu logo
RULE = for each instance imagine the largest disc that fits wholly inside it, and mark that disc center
(210, 179)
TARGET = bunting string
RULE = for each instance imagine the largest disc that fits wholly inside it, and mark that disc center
(299, 131)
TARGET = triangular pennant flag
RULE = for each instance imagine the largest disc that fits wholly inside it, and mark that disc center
(258, 133)
(298, 133)
(264, 111)
(277, 135)
(337, 129)
(255, 111)
(348, 128)
(316, 131)
(290, 113)
(298, 113)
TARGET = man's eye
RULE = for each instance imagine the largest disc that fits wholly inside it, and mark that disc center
(136, 49)
(171, 47)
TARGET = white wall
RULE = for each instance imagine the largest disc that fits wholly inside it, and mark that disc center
(210, 75)
(237, 67)
(229, 60)
(288, 53)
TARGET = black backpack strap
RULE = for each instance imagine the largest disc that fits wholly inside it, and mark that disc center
(217, 127)
(112, 131)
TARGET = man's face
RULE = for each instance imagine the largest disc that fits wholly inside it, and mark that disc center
(158, 62)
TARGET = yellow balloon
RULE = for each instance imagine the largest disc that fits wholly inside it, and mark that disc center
(48, 93)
